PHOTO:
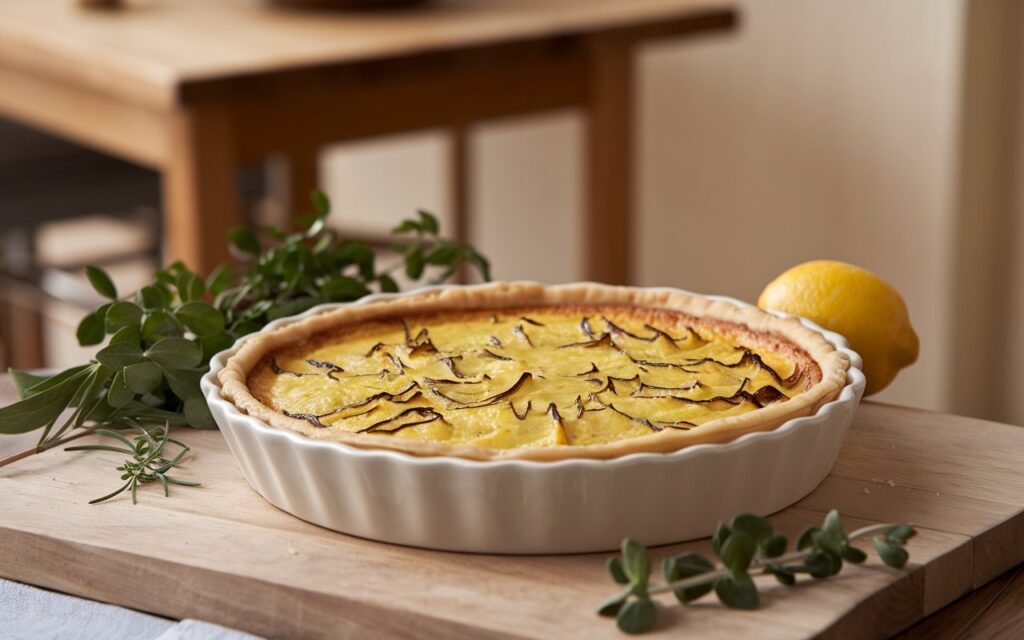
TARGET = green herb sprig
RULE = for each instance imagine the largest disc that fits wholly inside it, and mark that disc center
(147, 464)
(159, 341)
(747, 546)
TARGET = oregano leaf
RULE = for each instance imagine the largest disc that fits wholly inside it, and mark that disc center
(755, 526)
(636, 561)
(321, 203)
(719, 537)
(618, 574)
(612, 606)
(737, 552)
(806, 538)
(243, 239)
(891, 552)
(387, 283)
(853, 554)
(428, 222)
(637, 616)
(414, 264)
(901, 532)
(774, 546)
(685, 566)
(737, 592)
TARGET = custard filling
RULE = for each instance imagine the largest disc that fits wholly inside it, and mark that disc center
(531, 377)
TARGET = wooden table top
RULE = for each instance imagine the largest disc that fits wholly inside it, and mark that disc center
(957, 479)
(156, 45)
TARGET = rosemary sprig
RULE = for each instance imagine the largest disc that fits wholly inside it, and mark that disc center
(160, 339)
(147, 463)
(747, 545)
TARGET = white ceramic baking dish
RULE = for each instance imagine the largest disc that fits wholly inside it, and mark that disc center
(514, 506)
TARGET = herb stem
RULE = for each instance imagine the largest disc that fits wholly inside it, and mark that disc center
(695, 581)
(758, 563)
(43, 446)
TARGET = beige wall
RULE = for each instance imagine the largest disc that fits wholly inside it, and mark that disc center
(823, 128)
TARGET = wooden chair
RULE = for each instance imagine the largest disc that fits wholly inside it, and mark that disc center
(43, 180)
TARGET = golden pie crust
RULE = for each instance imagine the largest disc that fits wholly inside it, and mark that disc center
(818, 369)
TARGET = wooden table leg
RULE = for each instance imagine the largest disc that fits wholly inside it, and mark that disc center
(201, 196)
(303, 168)
(609, 161)
(21, 317)
(458, 180)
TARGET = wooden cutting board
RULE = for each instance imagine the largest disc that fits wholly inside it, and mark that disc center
(222, 554)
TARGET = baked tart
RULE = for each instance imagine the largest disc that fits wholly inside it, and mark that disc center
(525, 371)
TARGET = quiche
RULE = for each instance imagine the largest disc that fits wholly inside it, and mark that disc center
(526, 371)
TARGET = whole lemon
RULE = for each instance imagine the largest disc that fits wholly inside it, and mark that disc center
(855, 303)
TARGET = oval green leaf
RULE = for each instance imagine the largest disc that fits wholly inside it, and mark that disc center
(343, 289)
(175, 353)
(414, 264)
(387, 283)
(201, 318)
(118, 395)
(636, 561)
(637, 616)
(198, 415)
(685, 566)
(91, 330)
(119, 356)
(612, 606)
(737, 552)
(243, 239)
(757, 527)
(101, 282)
(143, 377)
(719, 537)
(321, 203)
(618, 574)
(160, 324)
(737, 592)
(774, 546)
(121, 314)
(428, 222)
(891, 552)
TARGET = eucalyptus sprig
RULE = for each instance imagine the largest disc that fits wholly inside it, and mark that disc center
(159, 341)
(747, 546)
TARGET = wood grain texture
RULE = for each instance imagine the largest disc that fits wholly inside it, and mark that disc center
(995, 610)
(154, 48)
(606, 250)
(198, 88)
(220, 553)
(200, 187)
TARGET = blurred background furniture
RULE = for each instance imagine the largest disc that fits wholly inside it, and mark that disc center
(63, 206)
(44, 180)
(197, 89)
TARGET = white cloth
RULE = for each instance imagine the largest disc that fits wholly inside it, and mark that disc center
(28, 613)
